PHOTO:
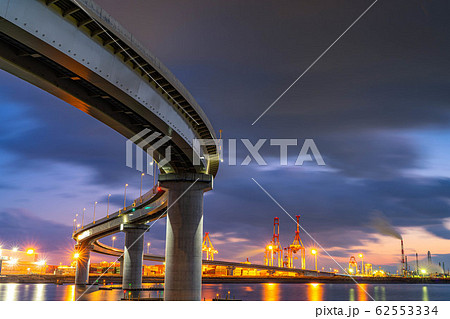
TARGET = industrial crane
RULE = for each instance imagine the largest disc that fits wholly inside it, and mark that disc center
(297, 245)
(208, 247)
(352, 266)
(274, 247)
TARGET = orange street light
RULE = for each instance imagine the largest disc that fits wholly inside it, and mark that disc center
(125, 197)
(113, 239)
(95, 204)
(107, 209)
(30, 251)
(314, 252)
(140, 193)
(82, 218)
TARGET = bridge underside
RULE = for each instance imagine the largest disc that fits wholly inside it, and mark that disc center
(33, 67)
(79, 53)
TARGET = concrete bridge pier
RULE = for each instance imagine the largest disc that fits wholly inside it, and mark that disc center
(133, 253)
(184, 234)
(83, 262)
(121, 265)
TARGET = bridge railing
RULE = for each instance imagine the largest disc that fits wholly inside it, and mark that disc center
(137, 203)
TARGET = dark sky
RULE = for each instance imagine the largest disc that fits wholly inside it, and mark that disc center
(377, 106)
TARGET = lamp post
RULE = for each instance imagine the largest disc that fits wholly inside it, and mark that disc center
(140, 193)
(125, 197)
(270, 248)
(314, 252)
(95, 204)
(107, 209)
(75, 222)
(362, 263)
(154, 172)
(113, 239)
(82, 219)
(148, 247)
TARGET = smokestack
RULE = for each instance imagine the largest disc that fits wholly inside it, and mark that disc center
(406, 265)
(403, 260)
(417, 264)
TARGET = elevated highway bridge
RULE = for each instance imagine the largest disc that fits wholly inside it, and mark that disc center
(101, 248)
(76, 51)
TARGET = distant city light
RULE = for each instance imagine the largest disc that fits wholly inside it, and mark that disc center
(41, 262)
(15, 249)
(423, 271)
(13, 261)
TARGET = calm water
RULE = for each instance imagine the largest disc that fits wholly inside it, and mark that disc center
(266, 291)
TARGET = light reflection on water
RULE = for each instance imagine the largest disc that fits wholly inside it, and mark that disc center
(263, 291)
(425, 293)
(271, 291)
(315, 292)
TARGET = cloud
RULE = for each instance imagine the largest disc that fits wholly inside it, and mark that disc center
(386, 77)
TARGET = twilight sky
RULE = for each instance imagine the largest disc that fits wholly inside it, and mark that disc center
(377, 106)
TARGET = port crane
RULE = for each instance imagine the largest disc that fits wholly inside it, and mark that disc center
(208, 247)
(274, 248)
(352, 266)
(295, 247)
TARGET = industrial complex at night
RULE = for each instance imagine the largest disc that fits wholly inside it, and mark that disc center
(225, 151)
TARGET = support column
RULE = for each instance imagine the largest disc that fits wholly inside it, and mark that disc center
(121, 265)
(184, 235)
(83, 262)
(133, 257)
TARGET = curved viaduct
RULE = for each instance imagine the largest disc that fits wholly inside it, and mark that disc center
(74, 50)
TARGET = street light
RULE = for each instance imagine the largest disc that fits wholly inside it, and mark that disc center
(82, 218)
(125, 197)
(140, 193)
(270, 248)
(107, 209)
(95, 204)
(148, 247)
(76, 255)
(362, 263)
(154, 171)
(314, 252)
(113, 239)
